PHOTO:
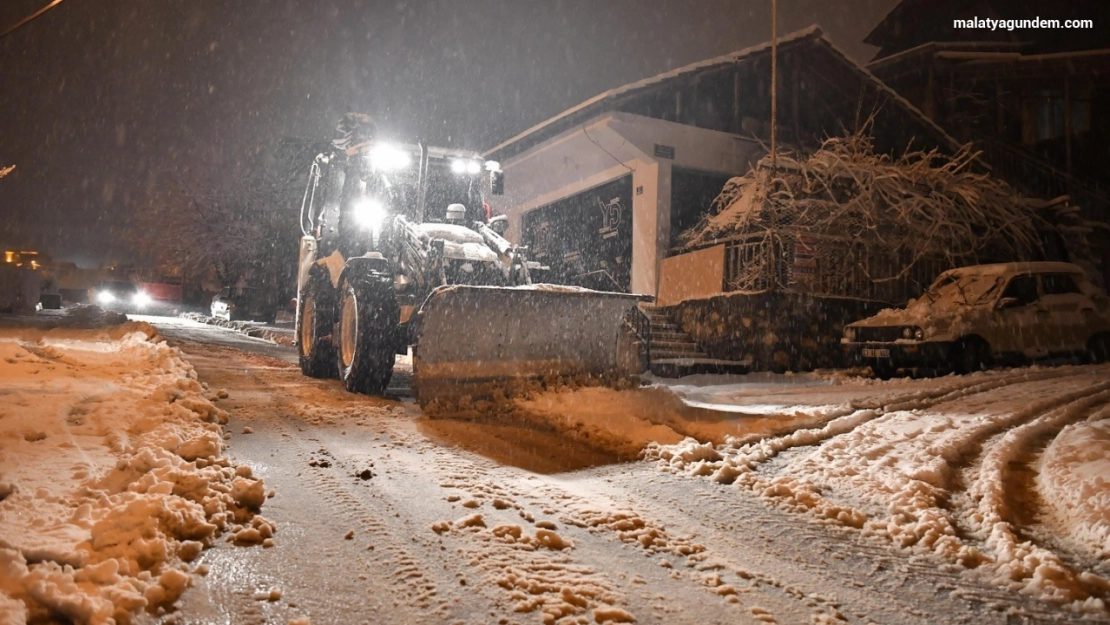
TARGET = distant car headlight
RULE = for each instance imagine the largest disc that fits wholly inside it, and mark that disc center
(850, 334)
(907, 333)
(141, 299)
(919, 334)
(105, 297)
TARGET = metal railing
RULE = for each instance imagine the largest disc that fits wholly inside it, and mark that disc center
(640, 323)
(799, 262)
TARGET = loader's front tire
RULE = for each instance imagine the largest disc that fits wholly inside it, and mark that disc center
(317, 315)
(365, 333)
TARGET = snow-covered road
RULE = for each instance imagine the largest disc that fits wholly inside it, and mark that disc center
(846, 515)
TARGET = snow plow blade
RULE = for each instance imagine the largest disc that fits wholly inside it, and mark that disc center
(475, 341)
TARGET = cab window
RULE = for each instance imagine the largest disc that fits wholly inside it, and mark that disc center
(1023, 289)
(1059, 284)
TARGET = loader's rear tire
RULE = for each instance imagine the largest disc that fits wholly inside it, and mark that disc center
(366, 333)
(317, 315)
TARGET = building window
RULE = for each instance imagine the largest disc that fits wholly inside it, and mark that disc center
(1049, 108)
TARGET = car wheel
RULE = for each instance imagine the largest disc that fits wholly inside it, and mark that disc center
(365, 330)
(317, 317)
(971, 355)
(884, 370)
(1098, 348)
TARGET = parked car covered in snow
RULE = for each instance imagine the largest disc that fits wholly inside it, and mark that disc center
(235, 303)
(974, 316)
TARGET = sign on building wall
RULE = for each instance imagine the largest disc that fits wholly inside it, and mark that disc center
(586, 239)
(803, 272)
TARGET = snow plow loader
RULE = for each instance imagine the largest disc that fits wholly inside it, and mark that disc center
(399, 251)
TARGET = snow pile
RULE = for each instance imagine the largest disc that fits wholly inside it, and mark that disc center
(537, 571)
(91, 316)
(111, 478)
(1075, 481)
(257, 330)
(939, 470)
(1031, 566)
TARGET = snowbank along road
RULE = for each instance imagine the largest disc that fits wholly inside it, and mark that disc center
(779, 500)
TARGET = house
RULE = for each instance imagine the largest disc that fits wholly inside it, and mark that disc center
(1035, 100)
(601, 192)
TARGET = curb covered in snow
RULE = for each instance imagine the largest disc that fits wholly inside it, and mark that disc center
(249, 328)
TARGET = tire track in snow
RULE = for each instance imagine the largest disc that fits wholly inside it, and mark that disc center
(537, 573)
(609, 519)
(402, 566)
(389, 561)
(1032, 566)
(864, 411)
(917, 515)
(917, 518)
(727, 461)
(787, 557)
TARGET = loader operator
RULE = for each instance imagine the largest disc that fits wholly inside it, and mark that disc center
(353, 131)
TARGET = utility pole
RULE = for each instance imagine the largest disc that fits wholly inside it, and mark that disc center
(774, 81)
(27, 19)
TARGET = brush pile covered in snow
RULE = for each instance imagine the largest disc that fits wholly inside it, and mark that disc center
(111, 476)
(921, 205)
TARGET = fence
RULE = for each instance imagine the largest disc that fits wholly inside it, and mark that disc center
(800, 262)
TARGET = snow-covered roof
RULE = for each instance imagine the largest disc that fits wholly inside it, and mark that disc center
(813, 33)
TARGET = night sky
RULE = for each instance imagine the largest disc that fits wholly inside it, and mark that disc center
(104, 101)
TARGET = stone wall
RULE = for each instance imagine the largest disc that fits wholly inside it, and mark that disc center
(777, 331)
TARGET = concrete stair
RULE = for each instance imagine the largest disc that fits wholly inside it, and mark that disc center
(674, 354)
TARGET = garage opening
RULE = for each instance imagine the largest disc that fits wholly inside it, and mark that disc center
(585, 239)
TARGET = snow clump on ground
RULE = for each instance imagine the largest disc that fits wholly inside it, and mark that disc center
(111, 475)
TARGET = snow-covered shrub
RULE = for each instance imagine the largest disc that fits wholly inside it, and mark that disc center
(874, 217)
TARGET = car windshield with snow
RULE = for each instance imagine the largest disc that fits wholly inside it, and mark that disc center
(972, 317)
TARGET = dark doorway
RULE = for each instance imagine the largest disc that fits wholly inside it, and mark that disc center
(692, 191)
(585, 239)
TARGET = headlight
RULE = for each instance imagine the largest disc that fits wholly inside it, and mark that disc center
(465, 166)
(913, 333)
(370, 213)
(141, 299)
(105, 297)
(850, 334)
(385, 157)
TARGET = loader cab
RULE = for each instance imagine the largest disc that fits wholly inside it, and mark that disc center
(454, 177)
(420, 182)
(362, 191)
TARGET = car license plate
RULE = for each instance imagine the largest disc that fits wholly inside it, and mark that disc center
(876, 353)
